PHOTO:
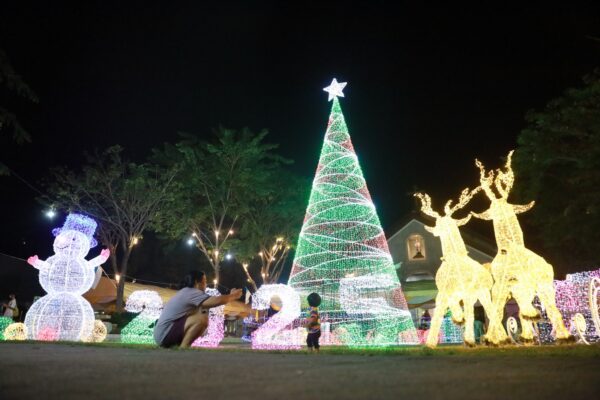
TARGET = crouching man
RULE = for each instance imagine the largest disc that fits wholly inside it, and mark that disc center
(185, 316)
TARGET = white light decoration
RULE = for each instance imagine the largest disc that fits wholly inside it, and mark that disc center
(460, 280)
(580, 327)
(273, 334)
(518, 272)
(335, 89)
(512, 327)
(149, 305)
(341, 244)
(63, 314)
(367, 295)
(216, 325)
(16, 331)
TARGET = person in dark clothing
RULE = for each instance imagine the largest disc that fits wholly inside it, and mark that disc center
(313, 324)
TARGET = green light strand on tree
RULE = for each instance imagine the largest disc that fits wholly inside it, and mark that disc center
(342, 253)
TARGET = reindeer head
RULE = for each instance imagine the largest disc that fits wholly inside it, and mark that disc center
(501, 180)
(446, 223)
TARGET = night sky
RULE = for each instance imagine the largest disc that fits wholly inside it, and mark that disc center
(429, 89)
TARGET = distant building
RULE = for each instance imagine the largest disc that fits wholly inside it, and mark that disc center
(417, 256)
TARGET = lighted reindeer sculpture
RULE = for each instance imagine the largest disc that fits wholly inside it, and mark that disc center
(517, 271)
(460, 280)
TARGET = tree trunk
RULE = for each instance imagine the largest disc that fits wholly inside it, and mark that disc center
(120, 292)
(121, 285)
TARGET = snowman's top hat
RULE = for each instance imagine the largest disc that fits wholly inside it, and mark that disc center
(80, 223)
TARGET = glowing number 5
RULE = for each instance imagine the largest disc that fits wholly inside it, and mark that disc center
(216, 325)
(149, 306)
(271, 335)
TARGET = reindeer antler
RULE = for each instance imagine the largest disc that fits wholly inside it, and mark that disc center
(486, 180)
(505, 179)
(426, 205)
(465, 196)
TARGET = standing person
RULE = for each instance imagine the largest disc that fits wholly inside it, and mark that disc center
(313, 324)
(10, 309)
(185, 316)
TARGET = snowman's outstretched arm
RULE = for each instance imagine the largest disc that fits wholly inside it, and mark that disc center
(101, 259)
(37, 263)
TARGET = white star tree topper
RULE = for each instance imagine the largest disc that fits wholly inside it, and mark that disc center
(335, 89)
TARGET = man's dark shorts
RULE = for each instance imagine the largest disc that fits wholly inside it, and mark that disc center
(312, 340)
(176, 333)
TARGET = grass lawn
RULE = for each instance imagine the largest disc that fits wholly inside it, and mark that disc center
(33, 370)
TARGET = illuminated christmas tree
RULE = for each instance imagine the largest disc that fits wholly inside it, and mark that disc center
(342, 253)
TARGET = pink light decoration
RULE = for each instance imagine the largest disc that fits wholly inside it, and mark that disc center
(47, 334)
(273, 335)
(216, 325)
(572, 297)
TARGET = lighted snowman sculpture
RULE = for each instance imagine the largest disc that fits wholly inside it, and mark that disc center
(63, 314)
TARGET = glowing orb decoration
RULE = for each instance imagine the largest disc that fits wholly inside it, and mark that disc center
(63, 314)
(518, 272)
(99, 332)
(60, 316)
(4, 323)
(15, 331)
(216, 325)
(273, 334)
(459, 279)
(149, 305)
(342, 243)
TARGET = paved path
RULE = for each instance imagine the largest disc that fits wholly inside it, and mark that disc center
(62, 371)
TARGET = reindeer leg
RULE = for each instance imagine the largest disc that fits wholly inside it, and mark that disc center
(526, 329)
(494, 317)
(457, 311)
(434, 329)
(496, 333)
(469, 304)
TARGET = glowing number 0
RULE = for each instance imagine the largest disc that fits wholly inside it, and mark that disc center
(149, 306)
(271, 335)
(216, 325)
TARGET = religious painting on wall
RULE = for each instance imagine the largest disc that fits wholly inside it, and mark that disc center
(416, 248)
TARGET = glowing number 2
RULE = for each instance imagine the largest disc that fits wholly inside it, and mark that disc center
(272, 334)
(216, 325)
(149, 306)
